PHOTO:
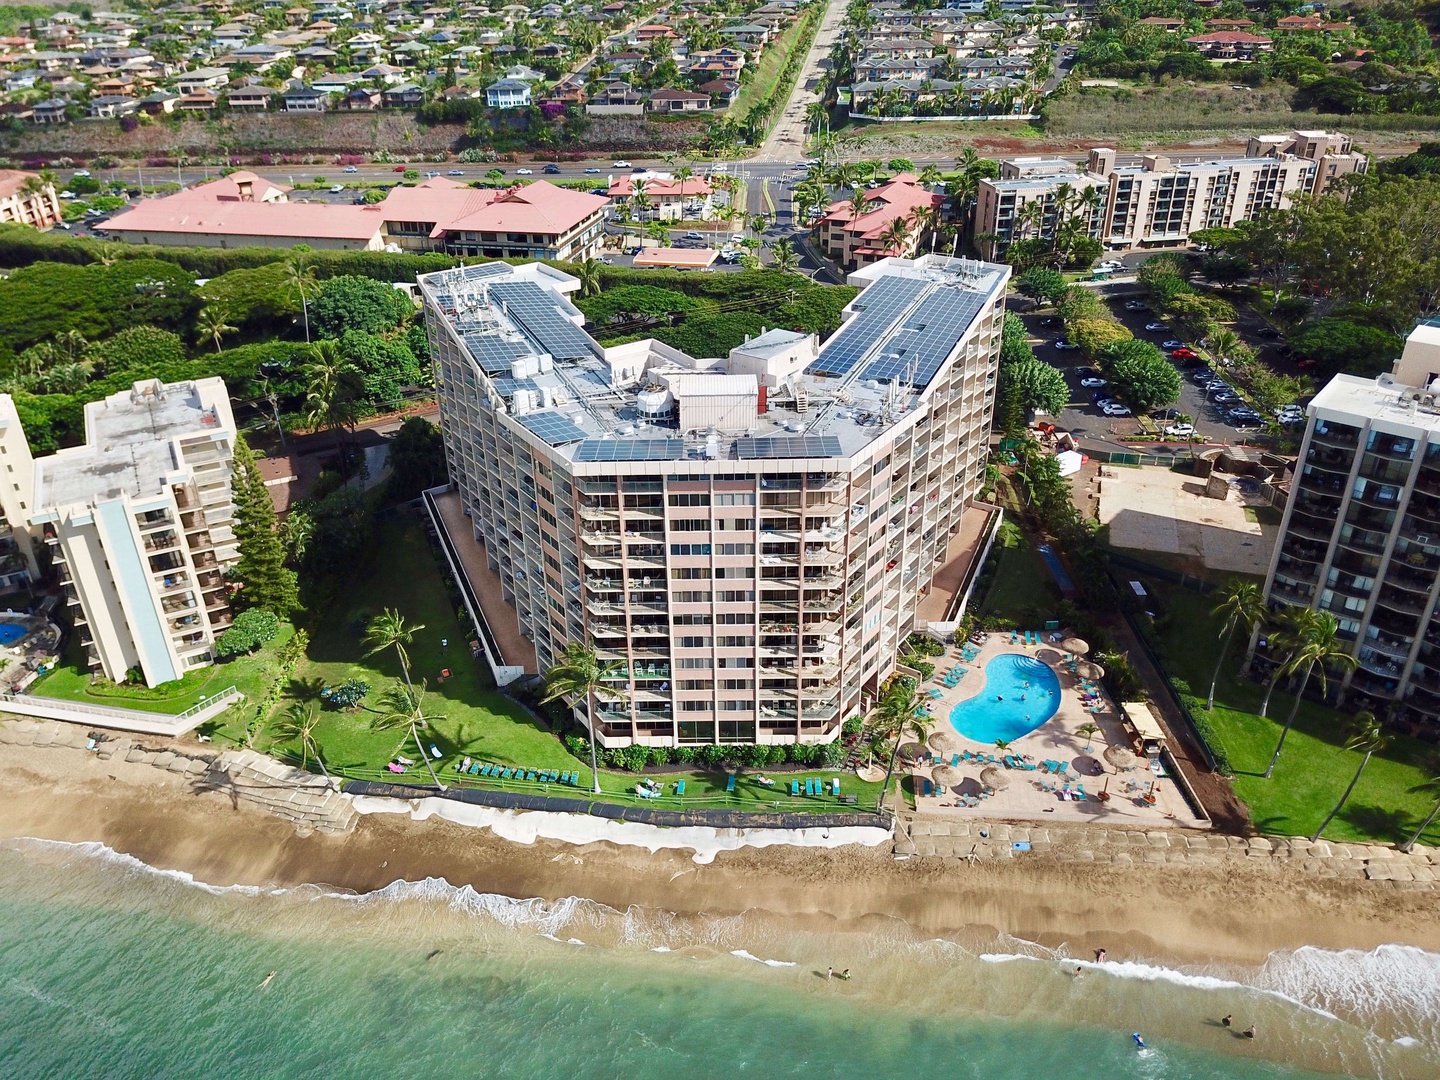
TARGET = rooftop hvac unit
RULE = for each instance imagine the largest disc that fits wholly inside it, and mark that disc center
(523, 402)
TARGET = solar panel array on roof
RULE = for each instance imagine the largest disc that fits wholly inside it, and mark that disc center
(494, 353)
(630, 450)
(537, 311)
(875, 310)
(926, 338)
(485, 270)
(555, 428)
(794, 446)
(506, 387)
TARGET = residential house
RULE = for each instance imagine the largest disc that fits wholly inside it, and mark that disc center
(616, 99)
(361, 99)
(670, 101)
(109, 106)
(337, 82)
(508, 94)
(298, 97)
(205, 78)
(1309, 23)
(159, 103)
(201, 101)
(723, 92)
(525, 73)
(854, 241)
(747, 34)
(25, 200)
(50, 111)
(1170, 26)
(404, 96)
(250, 98)
(1231, 45)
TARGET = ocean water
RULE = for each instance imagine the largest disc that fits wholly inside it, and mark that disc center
(1020, 694)
(111, 969)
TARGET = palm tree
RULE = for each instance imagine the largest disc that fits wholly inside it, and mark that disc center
(1368, 737)
(930, 175)
(404, 707)
(577, 676)
(1293, 621)
(860, 205)
(299, 276)
(784, 256)
(1002, 745)
(1089, 731)
(1243, 602)
(896, 713)
(333, 387)
(213, 325)
(297, 724)
(389, 630)
(589, 272)
(1318, 649)
(1425, 787)
(896, 235)
(1224, 343)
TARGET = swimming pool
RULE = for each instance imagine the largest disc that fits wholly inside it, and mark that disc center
(10, 633)
(1020, 694)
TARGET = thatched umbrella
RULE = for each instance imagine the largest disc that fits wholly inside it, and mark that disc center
(1119, 756)
(945, 742)
(1088, 669)
(1079, 646)
(991, 777)
(911, 751)
(944, 776)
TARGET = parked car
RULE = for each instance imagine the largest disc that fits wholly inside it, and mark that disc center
(1204, 377)
(1101, 400)
(1111, 264)
(1164, 414)
(1180, 431)
(336, 189)
(1136, 305)
(400, 168)
(1116, 409)
(82, 172)
(68, 195)
(634, 250)
(1172, 344)
(1157, 328)
(616, 165)
(1065, 346)
(1184, 353)
(431, 174)
(1094, 382)
(551, 169)
(350, 168)
(524, 172)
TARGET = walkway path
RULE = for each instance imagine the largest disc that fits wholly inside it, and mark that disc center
(787, 138)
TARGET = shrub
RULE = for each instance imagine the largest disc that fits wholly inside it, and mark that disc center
(248, 632)
(348, 694)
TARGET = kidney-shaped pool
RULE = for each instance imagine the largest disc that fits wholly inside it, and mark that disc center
(1020, 694)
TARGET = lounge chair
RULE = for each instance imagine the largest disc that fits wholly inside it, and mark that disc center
(954, 761)
(1080, 792)
(926, 788)
(508, 774)
(809, 786)
(679, 787)
(795, 787)
(462, 766)
(835, 785)
(730, 785)
(530, 774)
(1061, 768)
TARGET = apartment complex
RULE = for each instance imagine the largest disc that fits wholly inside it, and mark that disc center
(746, 536)
(23, 199)
(889, 223)
(1160, 202)
(1361, 533)
(537, 220)
(139, 520)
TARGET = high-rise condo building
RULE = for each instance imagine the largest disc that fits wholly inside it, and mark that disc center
(748, 536)
(139, 520)
(1361, 532)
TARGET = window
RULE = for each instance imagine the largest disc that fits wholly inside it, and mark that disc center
(691, 620)
(696, 596)
(737, 684)
(733, 549)
(736, 641)
(682, 573)
(692, 549)
(693, 642)
(735, 662)
(694, 662)
(695, 684)
(736, 706)
(736, 596)
(734, 571)
(689, 498)
(736, 524)
(691, 525)
(735, 498)
(736, 618)
(696, 706)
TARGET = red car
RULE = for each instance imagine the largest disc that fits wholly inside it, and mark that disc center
(1184, 354)
(400, 168)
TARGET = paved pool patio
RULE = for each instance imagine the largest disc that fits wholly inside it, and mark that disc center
(1057, 739)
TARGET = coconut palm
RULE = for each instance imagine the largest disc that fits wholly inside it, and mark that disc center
(589, 272)
(1225, 343)
(300, 278)
(1292, 623)
(213, 324)
(860, 205)
(1318, 649)
(333, 389)
(930, 175)
(389, 630)
(1367, 737)
(297, 724)
(1425, 787)
(1243, 603)
(1002, 745)
(578, 676)
(1089, 731)
(784, 256)
(403, 706)
(896, 713)
(896, 235)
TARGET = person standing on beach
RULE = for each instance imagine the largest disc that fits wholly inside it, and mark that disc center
(829, 972)
(1250, 1032)
(1227, 1020)
(1099, 956)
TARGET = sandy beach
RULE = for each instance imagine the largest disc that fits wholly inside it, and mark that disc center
(1235, 913)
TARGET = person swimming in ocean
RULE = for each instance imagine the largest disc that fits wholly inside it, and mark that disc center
(1138, 1040)
(266, 981)
(1250, 1032)
(1226, 1020)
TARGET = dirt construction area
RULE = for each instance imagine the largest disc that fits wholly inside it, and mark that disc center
(1154, 509)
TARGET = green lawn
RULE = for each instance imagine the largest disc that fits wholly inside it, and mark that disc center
(1315, 766)
(1020, 586)
(764, 85)
(250, 674)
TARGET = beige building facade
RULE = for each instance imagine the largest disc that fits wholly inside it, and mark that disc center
(748, 536)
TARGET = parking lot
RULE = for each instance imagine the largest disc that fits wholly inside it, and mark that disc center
(1087, 421)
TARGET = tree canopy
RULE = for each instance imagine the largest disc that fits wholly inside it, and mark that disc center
(1139, 374)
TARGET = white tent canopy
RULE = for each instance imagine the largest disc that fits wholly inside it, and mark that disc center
(1070, 462)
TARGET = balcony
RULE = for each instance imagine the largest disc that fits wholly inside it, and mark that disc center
(1298, 569)
(1368, 542)
(1309, 530)
(1400, 601)
(1390, 446)
(154, 519)
(1293, 594)
(1337, 435)
(1397, 648)
(1403, 577)
(1331, 461)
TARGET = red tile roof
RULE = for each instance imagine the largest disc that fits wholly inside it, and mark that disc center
(898, 198)
(317, 221)
(622, 187)
(540, 207)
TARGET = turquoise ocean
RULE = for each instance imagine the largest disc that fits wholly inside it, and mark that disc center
(111, 969)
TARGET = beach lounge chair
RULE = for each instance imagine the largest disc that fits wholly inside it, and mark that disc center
(730, 784)
(393, 767)
(1061, 768)
(1080, 792)
(809, 786)
(795, 787)
(507, 774)
(926, 788)
(954, 761)
(679, 787)
(835, 785)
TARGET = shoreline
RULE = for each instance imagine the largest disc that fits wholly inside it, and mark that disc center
(1235, 913)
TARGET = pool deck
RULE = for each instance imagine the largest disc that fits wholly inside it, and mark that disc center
(1055, 740)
